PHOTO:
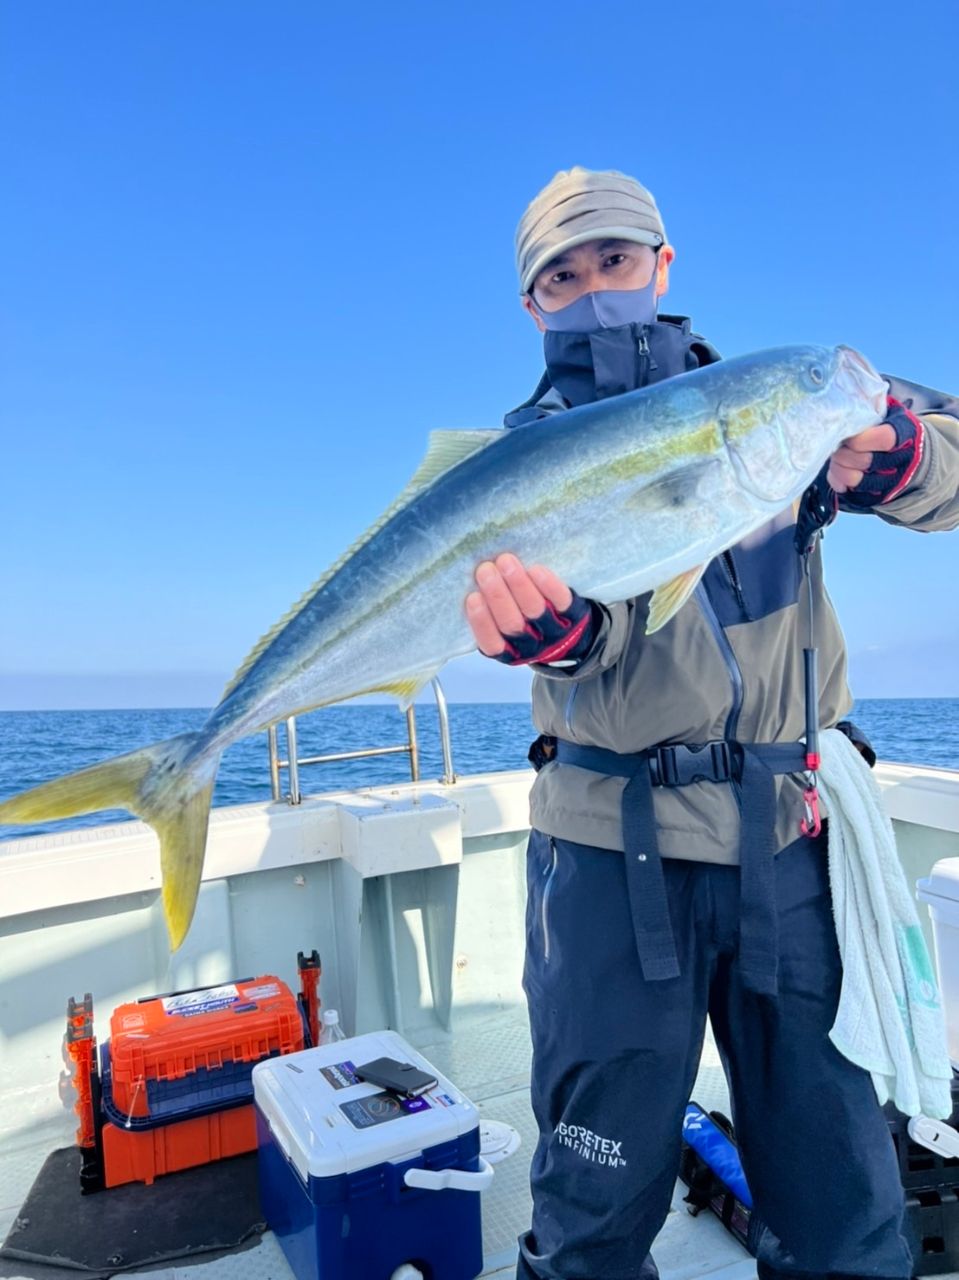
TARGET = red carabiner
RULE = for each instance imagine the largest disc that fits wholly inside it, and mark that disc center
(811, 824)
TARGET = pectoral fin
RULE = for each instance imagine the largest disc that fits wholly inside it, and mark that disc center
(669, 598)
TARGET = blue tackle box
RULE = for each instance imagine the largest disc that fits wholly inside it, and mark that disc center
(356, 1183)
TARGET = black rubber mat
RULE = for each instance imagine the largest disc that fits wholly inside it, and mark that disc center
(209, 1211)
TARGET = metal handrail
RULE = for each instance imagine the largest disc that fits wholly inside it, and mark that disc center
(449, 777)
(294, 761)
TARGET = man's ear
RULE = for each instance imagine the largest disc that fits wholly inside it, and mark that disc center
(527, 304)
(664, 260)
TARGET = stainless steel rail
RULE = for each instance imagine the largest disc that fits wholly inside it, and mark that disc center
(294, 761)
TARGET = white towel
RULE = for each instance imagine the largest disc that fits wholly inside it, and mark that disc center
(890, 1018)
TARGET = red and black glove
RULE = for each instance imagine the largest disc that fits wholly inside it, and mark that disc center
(891, 472)
(554, 635)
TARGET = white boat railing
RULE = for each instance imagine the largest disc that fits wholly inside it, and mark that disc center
(294, 762)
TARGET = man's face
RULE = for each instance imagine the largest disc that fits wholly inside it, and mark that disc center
(596, 265)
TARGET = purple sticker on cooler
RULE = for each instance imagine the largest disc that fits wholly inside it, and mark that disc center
(363, 1113)
(341, 1075)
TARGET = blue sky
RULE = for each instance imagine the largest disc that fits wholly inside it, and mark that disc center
(253, 253)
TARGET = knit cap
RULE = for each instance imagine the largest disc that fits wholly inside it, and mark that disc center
(580, 205)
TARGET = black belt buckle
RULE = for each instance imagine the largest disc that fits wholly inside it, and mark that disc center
(679, 765)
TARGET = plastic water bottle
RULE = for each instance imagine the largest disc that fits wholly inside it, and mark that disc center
(332, 1031)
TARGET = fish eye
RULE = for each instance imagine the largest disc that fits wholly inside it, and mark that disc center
(816, 375)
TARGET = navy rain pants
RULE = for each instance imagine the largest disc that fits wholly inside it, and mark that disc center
(615, 1058)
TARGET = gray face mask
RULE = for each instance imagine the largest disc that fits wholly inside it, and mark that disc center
(605, 309)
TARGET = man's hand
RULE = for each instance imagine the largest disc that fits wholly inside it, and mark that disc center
(875, 466)
(854, 457)
(522, 615)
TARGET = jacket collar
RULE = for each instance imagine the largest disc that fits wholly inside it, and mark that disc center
(592, 367)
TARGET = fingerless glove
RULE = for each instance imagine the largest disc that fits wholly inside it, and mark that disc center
(554, 635)
(891, 472)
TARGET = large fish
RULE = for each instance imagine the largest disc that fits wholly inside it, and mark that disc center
(619, 498)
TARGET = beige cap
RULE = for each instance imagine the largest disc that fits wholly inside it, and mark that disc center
(580, 205)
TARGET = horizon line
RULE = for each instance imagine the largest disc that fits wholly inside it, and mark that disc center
(453, 702)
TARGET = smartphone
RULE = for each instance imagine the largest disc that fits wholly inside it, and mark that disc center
(398, 1077)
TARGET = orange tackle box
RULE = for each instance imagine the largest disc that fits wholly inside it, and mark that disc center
(174, 1088)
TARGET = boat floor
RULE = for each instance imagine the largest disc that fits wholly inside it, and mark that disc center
(490, 1062)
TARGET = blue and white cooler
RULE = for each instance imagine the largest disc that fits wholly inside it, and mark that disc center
(359, 1185)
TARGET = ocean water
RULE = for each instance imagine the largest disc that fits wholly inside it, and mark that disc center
(37, 745)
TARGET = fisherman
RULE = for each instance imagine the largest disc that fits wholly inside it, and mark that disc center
(669, 775)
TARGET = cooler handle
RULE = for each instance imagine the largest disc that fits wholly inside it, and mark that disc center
(450, 1179)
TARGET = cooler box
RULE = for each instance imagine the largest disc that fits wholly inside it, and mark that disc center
(337, 1160)
(175, 1074)
(940, 891)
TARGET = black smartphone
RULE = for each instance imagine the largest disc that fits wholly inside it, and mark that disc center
(398, 1077)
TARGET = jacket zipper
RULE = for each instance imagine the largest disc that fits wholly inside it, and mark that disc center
(544, 905)
(643, 345)
(647, 363)
(568, 713)
(733, 670)
(733, 574)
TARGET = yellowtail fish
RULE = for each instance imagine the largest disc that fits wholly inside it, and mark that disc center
(633, 494)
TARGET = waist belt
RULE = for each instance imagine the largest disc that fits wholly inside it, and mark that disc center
(751, 765)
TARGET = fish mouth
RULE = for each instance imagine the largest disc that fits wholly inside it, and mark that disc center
(860, 377)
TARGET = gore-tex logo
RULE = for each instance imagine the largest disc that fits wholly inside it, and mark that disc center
(590, 1145)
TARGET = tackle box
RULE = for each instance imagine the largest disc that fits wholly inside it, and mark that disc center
(175, 1086)
(356, 1182)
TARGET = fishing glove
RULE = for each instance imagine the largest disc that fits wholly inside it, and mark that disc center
(554, 636)
(890, 472)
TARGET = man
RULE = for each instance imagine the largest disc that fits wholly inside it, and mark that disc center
(640, 920)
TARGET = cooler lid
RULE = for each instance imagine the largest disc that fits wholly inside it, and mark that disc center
(328, 1123)
(942, 881)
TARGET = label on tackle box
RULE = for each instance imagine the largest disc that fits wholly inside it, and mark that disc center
(363, 1113)
(192, 1002)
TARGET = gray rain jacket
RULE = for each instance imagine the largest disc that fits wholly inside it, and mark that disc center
(728, 665)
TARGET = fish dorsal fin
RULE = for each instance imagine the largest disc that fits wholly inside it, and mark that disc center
(445, 450)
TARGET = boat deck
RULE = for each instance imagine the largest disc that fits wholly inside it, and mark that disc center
(490, 1062)
(416, 894)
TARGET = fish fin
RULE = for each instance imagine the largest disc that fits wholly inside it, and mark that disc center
(446, 450)
(154, 784)
(406, 689)
(182, 829)
(669, 598)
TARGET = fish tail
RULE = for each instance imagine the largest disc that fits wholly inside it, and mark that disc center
(158, 784)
